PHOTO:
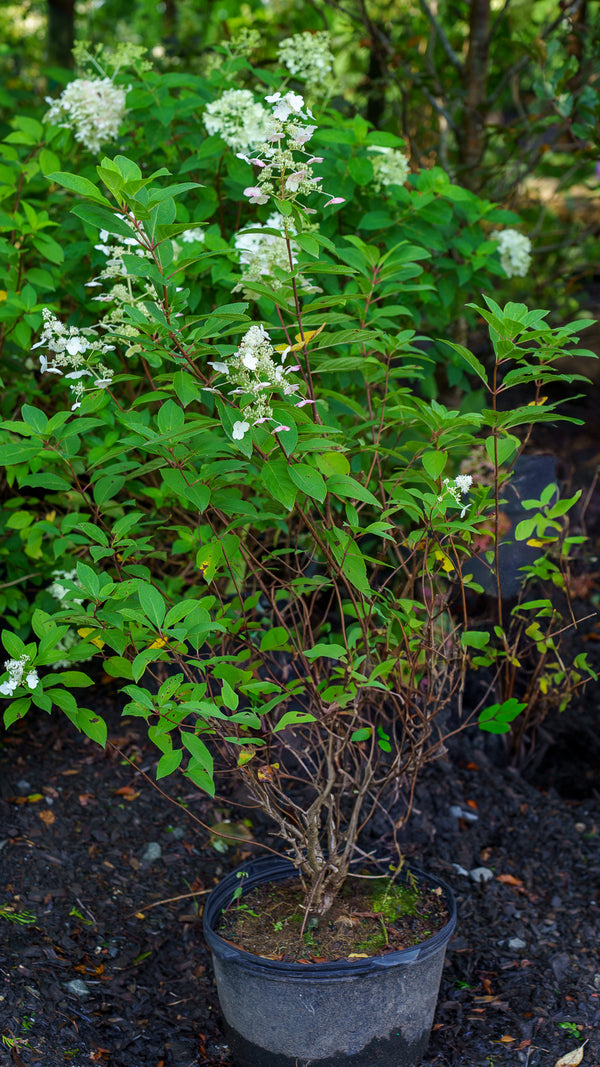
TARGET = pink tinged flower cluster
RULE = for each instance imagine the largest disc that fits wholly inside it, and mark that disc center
(289, 131)
(93, 108)
(70, 353)
(253, 370)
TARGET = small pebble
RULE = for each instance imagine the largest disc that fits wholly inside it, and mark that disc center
(178, 833)
(152, 852)
(516, 943)
(78, 987)
(462, 813)
(460, 870)
(481, 874)
(23, 785)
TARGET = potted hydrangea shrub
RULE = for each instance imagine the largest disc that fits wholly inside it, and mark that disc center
(265, 518)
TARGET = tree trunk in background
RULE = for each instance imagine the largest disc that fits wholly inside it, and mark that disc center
(471, 135)
(61, 32)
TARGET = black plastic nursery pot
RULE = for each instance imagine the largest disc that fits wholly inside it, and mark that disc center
(374, 1012)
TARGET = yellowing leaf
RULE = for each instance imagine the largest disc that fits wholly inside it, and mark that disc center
(358, 955)
(265, 774)
(539, 542)
(97, 641)
(571, 1059)
(447, 564)
(245, 757)
(3, 294)
(159, 643)
(301, 341)
(537, 403)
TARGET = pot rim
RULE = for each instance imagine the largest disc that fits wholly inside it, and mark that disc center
(276, 869)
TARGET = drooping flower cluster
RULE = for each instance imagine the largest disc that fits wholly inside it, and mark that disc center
(73, 353)
(265, 256)
(390, 167)
(454, 488)
(238, 119)
(515, 252)
(93, 108)
(308, 56)
(17, 670)
(280, 173)
(120, 291)
(254, 372)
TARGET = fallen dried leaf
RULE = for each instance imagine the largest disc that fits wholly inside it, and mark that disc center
(506, 1039)
(47, 817)
(509, 879)
(127, 793)
(571, 1059)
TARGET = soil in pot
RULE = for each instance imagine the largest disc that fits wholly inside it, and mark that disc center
(370, 917)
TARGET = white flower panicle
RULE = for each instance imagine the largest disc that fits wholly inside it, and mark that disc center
(308, 56)
(253, 370)
(93, 108)
(390, 167)
(280, 173)
(515, 252)
(238, 119)
(463, 482)
(72, 353)
(265, 256)
(454, 488)
(17, 670)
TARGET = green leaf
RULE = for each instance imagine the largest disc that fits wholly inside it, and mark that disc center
(330, 463)
(197, 494)
(229, 696)
(16, 710)
(275, 475)
(293, 718)
(474, 639)
(118, 667)
(19, 452)
(35, 418)
(363, 734)
(77, 184)
(361, 170)
(275, 637)
(88, 580)
(170, 418)
(152, 603)
(434, 463)
(506, 448)
(497, 718)
(168, 763)
(345, 486)
(13, 644)
(198, 750)
(308, 480)
(326, 651)
(103, 219)
(469, 358)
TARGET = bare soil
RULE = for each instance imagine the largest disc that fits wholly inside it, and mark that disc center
(371, 917)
